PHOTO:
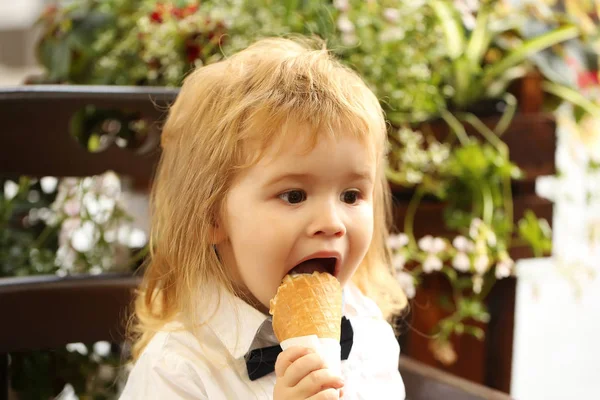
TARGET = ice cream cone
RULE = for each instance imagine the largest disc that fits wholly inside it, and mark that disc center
(307, 304)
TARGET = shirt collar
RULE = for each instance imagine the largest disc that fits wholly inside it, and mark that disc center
(242, 328)
(234, 321)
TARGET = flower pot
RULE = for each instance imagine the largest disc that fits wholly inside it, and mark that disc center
(531, 141)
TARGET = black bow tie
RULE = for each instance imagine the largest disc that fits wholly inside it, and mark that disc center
(261, 362)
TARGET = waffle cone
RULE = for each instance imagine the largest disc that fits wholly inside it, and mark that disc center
(307, 304)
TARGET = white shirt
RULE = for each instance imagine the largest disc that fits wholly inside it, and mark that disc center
(177, 364)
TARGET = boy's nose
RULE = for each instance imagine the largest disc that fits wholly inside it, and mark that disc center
(327, 222)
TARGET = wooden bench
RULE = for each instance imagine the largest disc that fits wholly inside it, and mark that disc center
(45, 312)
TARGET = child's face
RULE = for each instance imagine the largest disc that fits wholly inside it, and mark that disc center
(294, 204)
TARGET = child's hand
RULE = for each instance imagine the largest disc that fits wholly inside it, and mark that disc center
(301, 374)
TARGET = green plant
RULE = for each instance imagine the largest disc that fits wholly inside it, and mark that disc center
(471, 176)
(67, 226)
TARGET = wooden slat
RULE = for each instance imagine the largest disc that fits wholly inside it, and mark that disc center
(425, 383)
(34, 130)
(429, 218)
(44, 312)
(488, 362)
(531, 139)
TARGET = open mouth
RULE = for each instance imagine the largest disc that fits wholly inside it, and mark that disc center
(316, 265)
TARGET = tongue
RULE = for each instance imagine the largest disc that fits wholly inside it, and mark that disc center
(308, 267)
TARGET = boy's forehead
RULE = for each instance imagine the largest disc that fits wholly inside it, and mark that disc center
(295, 141)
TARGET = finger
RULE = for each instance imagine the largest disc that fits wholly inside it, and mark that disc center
(287, 357)
(303, 367)
(327, 394)
(319, 381)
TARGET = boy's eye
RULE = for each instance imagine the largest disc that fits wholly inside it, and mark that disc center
(293, 196)
(350, 196)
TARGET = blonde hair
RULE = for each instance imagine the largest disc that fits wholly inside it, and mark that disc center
(251, 96)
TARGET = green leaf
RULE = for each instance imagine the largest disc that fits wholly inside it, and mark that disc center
(529, 47)
(459, 328)
(475, 331)
(60, 62)
(445, 303)
(536, 232)
(452, 26)
(572, 96)
(480, 38)
(85, 30)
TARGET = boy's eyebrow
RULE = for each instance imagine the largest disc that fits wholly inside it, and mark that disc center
(354, 175)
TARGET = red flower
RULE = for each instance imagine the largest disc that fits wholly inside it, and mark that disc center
(587, 78)
(192, 51)
(156, 17)
(183, 12)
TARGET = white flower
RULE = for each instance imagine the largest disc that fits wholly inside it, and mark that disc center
(391, 14)
(72, 207)
(461, 262)
(438, 153)
(589, 136)
(137, 238)
(398, 241)
(65, 259)
(349, 39)
(102, 348)
(491, 238)
(84, 238)
(432, 263)
(106, 373)
(504, 268)
(123, 234)
(407, 283)
(413, 176)
(463, 244)
(100, 208)
(398, 261)
(468, 18)
(48, 184)
(474, 228)
(67, 228)
(477, 283)
(432, 245)
(69, 184)
(78, 347)
(152, 74)
(345, 25)
(44, 214)
(481, 263)
(392, 34)
(96, 270)
(10, 190)
(341, 5)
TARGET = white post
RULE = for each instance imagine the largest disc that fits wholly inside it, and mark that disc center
(557, 312)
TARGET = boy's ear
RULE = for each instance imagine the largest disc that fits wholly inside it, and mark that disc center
(217, 232)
